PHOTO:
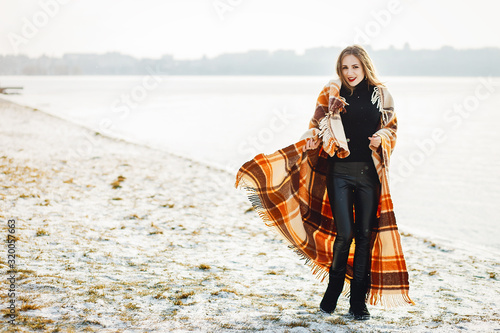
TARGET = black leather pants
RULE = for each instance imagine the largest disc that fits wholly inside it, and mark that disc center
(353, 184)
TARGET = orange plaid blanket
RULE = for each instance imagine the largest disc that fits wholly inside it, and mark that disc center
(288, 191)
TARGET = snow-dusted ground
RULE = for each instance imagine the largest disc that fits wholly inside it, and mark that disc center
(170, 246)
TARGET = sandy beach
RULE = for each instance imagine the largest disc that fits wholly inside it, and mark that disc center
(117, 237)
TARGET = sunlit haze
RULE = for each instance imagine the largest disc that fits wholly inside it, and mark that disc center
(197, 28)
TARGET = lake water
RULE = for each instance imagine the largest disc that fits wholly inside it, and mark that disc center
(444, 171)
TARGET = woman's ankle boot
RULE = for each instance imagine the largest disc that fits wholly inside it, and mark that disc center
(358, 301)
(332, 293)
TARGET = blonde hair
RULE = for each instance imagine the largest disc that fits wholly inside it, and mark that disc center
(359, 52)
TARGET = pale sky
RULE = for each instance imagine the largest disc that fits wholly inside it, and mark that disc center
(194, 28)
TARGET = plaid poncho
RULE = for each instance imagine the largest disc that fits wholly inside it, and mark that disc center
(288, 191)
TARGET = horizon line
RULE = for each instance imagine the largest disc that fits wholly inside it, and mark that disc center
(204, 56)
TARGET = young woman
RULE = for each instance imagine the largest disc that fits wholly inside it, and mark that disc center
(353, 184)
(332, 187)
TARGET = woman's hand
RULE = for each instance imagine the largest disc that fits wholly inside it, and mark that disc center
(375, 141)
(312, 143)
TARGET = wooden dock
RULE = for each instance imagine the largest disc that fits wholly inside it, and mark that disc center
(7, 90)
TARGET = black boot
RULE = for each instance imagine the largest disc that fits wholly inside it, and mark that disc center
(332, 293)
(358, 301)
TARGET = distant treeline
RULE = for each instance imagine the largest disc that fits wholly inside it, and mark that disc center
(446, 61)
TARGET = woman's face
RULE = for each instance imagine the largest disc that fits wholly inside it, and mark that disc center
(352, 70)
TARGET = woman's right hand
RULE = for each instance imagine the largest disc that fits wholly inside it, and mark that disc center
(312, 143)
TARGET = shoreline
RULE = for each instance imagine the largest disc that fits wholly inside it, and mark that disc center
(170, 247)
(116, 137)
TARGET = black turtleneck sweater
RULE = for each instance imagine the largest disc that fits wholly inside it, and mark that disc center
(360, 121)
